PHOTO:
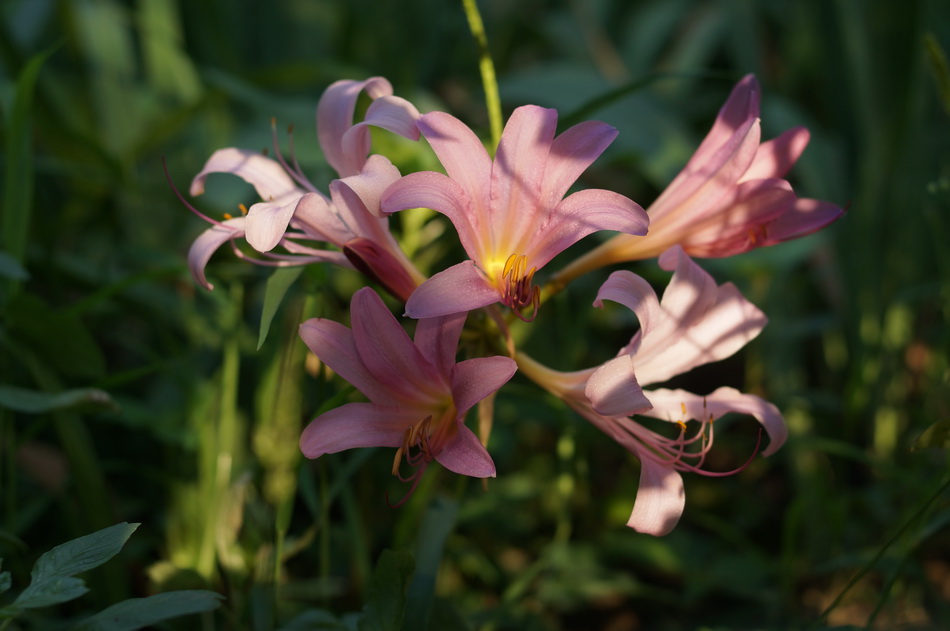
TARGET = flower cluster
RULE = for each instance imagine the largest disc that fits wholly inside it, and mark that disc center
(513, 215)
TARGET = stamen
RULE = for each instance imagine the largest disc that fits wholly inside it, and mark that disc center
(182, 199)
(519, 291)
(242, 208)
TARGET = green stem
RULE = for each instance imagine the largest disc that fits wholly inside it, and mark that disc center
(487, 69)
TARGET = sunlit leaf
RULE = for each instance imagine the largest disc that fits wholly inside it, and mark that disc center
(277, 286)
(937, 435)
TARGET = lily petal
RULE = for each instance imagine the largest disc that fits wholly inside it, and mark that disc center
(461, 153)
(572, 152)
(775, 157)
(584, 213)
(386, 350)
(465, 455)
(207, 244)
(613, 389)
(459, 288)
(267, 223)
(269, 179)
(475, 379)
(355, 425)
(438, 339)
(806, 216)
(660, 499)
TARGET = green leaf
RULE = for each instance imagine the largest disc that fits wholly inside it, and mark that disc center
(52, 580)
(84, 553)
(18, 183)
(55, 590)
(315, 620)
(36, 402)
(136, 613)
(277, 286)
(386, 595)
(937, 435)
(5, 581)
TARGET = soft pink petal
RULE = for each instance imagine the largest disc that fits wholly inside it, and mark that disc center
(628, 289)
(335, 118)
(777, 156)
(267, 222)
(320, 219)
(660, 499)
(461, 153)
(805, 216)
(613, 389)
(269, 179)
(465, 455)
(571, 154)
(519, 170)
(669, 404)
(475, 379)
(438, 339)
(356, 425)
(333, 343)
(583, 213)
(741, 107)
(386, 350)
(441, 193)
(454, 290)
(697, 191)
(207, 244)
(381, 264)
(388, 112)
(377, 174)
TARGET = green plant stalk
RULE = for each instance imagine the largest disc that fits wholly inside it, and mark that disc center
(897, 535)
(487, 69)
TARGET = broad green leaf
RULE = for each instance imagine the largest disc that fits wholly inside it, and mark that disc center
(5, 581)
(437, 524)
(315, 620)
(386, 595)
(937, 435)
(36, 402)
(277, 286)
(82, 554)
(136, 613)
(55, 590)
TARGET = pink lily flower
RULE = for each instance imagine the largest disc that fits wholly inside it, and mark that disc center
(510, 214)
(418, 394)
(728, 199)
(695, 323)
(291, 215)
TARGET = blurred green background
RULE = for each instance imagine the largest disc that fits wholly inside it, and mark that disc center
(174, 418)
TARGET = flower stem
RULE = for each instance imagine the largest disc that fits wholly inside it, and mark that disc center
(487, 69)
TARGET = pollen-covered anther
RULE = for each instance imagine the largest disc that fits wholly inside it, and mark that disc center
(519, 290)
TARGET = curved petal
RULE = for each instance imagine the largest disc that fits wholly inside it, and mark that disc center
(465, 455)
(777, 156)
(335, 118)
(628, 289)
(269, 179)
(475, 379)
(207, 244)
(428, 189)
(356, 425)
(333, 343)
(613, 389)
(267, 222)
(660, 499)
(740, 107)
(454, 290)
(461, 153)
(391, 113)
(670, 403)
(370, 184)
(583, 213)
(386, 350)
(319, 218)
(572, 152)
(382, 265)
